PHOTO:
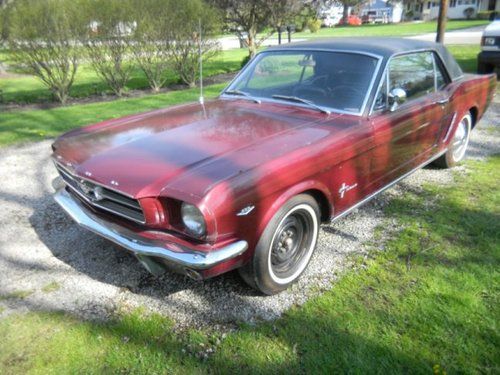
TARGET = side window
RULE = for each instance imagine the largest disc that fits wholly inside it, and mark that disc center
(381, 99)
(413, 73)
(440, 76)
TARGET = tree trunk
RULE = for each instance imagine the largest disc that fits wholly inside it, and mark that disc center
(345, 16)
(441, 27)
(252, 49)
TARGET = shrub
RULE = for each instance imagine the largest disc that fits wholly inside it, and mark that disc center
(313, 25)
(108, 39)
(151, 49)
(42, 37)
(485, 14)
(245, 60)
(185, 39)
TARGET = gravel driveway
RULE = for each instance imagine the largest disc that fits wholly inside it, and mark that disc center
(49, 263)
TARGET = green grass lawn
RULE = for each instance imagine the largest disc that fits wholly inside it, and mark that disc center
(29, 89)
(30, 125)
(466, 56)
(428, 303)
(397, 29)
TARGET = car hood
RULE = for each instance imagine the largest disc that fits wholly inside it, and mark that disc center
(493, 29)
(147, 154)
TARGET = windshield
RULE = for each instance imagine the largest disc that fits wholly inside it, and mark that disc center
(334, 80)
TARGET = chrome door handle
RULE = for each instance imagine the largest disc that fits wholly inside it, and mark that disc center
(443, 101)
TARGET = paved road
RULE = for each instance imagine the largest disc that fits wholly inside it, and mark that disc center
(465, 36)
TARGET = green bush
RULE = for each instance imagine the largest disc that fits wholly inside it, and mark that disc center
(314, 25)
(42, 35)
(108, 40)
(185, 39)
(245, 60)
(485, 14)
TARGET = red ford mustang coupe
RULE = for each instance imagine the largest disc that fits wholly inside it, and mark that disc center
(304, 134)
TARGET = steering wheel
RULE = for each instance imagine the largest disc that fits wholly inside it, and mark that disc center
(307, 91)
(346, 90)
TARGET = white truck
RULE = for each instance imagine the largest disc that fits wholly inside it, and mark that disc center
(488, 60)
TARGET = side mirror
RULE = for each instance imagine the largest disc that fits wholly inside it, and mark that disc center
(397, 97)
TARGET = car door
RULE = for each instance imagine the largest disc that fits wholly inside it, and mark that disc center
(406, 135)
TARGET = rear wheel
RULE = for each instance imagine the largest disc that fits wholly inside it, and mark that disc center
(458, 145)
(286, 246)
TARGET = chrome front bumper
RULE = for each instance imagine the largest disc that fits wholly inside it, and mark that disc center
(144, 248)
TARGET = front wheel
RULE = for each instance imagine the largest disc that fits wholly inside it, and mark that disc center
(458, 145)
(286, 246)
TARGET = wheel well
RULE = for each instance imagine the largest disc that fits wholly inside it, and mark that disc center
(324, 204)
(473, 113)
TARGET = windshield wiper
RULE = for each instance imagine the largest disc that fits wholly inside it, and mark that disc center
(242, 93)
(300, 100)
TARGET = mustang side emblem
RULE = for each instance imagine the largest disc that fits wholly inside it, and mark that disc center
(245, 211)
(345, 188)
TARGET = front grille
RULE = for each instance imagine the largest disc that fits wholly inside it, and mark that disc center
(101, 197)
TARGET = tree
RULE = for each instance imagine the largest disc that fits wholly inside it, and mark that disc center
(42, 37)
(4, 20)
(167, 37)
(346, 4)
(251, 17)
(441, 26)
(107, 41)
(282, 13)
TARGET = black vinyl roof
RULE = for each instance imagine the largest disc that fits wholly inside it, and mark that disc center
(382, 46)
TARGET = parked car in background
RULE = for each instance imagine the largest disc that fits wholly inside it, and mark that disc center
(351, 21)
(306, 133)
(330, 21)
(373, 16)
(488, 60)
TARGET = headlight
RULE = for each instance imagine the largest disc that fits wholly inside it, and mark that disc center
(193, 220)
(489, 41)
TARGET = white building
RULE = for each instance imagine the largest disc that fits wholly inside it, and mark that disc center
(382, 11)
(331, 15)
(484, 5)
(457, 9)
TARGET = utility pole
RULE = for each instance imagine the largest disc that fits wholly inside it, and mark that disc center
(441, 27)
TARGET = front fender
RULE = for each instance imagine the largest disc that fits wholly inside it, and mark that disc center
(282, 197)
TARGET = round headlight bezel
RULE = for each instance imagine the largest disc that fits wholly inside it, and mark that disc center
(193, 220)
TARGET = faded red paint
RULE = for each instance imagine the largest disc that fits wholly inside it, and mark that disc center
(235, 153)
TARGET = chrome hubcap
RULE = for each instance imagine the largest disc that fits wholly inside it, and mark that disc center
(461, 139)
(291, 241)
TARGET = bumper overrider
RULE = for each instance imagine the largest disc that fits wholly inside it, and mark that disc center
(155, 255)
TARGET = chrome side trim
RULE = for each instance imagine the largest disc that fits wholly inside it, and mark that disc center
(449, 128)
(372, 195)
(140, 246)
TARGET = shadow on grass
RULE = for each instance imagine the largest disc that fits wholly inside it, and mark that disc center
(135, 344)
